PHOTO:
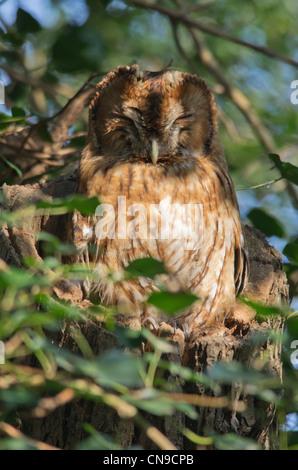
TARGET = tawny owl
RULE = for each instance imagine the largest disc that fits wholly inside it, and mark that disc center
(155, 162)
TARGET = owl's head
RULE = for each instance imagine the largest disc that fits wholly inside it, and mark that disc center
(152, 116)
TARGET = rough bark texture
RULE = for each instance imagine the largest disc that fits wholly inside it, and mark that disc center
(267, 283)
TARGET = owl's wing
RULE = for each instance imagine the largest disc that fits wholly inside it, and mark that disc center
(241, 269)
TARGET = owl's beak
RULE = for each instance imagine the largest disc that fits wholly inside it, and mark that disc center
(154, 151)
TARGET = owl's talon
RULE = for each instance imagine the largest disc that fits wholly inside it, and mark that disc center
(185, 330)
(151, 324)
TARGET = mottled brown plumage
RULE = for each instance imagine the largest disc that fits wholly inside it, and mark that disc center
(153, 140)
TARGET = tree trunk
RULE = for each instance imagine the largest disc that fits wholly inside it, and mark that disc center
(232, 341)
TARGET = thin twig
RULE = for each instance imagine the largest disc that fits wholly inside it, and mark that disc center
(200, 6)
(26, 79)
(180, 15)
(203, 401)
(239, 99)
(58, 113)
(231, 129)
(206, 57)
(191, 64)
(235, 94)
(262, 185)
(154, 434)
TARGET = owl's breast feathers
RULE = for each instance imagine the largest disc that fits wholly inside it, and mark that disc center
(184, 213)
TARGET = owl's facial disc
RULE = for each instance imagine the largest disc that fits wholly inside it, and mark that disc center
(150, 135)
(154, 117)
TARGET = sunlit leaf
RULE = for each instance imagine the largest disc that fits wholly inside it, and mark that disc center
(20, 278)
(6, 119)
(265, 310)
(97, 441)
(86, 206)
(16, 443)
(234, 372)
(147, 267)
(158, 344)
(172, 302)
(233, 442)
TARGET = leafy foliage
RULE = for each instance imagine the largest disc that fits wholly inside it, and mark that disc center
(134, 383)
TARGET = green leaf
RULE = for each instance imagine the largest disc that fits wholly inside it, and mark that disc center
(53, 245)
(291, 252)
(230, 372)
(18, 396)
(287, 170)
(12, 165)
(157, 407)
(86, 206)
(159, 344)
(79, 142)
(116, 367)
(290, 172)
(171, 302)
(16, 443)
(18, 112)
(188, 374)
(127, 337)
(266, 223)
(6, 119)
(153, 401)
(20, 279)
(233, 442)
(25, 23)
(97, 441)
(72, 39)
(292, 327)
(44, 133)
(147, 267)
(264, 310)
(293, 439)
(276, 160)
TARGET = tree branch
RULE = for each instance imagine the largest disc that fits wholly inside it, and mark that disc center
(206, 57)
(181, 16)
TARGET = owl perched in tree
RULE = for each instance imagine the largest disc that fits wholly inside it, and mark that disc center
(155, 162)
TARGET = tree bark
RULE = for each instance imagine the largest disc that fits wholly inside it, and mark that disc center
(231, 341)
